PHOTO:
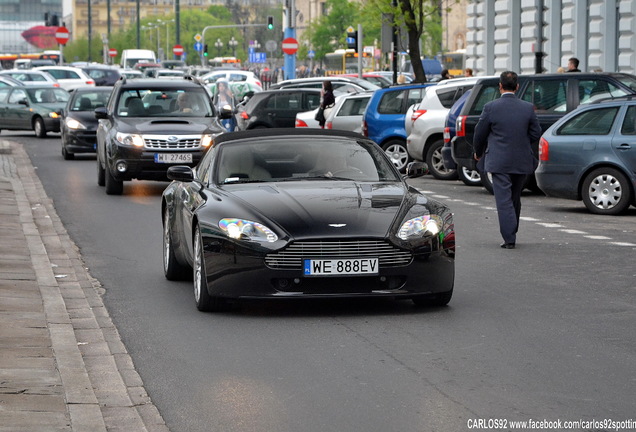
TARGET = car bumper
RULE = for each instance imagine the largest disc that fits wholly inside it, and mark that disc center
(558, 181)
(80, 141)
(462, 153)
(140, 163)
(52, 124)
(415, 146)
(447, 156)
(235, 272)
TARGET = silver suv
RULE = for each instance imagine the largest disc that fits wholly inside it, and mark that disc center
(424, 124)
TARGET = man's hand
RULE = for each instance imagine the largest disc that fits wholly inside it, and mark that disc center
(476, 157)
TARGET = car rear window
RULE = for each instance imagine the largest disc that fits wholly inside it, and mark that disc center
(487, 93)
(447, 97)
(591, 122)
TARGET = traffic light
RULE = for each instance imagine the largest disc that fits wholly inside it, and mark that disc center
(205, 50)
(352, 40)
(270, 23)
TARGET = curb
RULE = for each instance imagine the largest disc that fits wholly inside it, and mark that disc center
(102, 389)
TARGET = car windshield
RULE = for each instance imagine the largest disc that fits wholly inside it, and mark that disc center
(629, 81)
(302, 158)
(164, 103)
(89, 100)
(48, 95)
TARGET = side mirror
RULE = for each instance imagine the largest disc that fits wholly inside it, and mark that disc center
(181, 173)
(416, 169)
(23, 102)
(101, 113)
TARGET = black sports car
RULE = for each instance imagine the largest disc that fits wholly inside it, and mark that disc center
(304, 213)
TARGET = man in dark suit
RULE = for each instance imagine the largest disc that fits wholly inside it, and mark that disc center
(503, 135)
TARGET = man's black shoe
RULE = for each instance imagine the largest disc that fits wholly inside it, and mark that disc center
(507, 245)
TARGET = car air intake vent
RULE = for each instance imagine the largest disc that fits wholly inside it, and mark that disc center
(291, 258)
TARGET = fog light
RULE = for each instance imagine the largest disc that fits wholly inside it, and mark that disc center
(121, 166)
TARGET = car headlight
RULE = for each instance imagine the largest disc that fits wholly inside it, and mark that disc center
(132, 140)
(71, 123)
(247, 230)
(53, 114)
(206, 140)
(418, 227)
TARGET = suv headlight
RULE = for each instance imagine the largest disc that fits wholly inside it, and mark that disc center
(241, 229)
(132, 140)
(418, 227)
(206, 141)
(71, 123)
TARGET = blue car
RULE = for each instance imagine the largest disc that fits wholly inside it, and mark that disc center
(590, 155)
(383, 120)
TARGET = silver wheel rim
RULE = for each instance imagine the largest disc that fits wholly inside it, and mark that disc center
(472, 175)
(38, 127)
(197, 267)
(437, 160)
(605, 191)
(398, 154)
(166, 241)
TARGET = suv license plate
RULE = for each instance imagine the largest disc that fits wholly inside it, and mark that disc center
(337, 267)
(173, 157)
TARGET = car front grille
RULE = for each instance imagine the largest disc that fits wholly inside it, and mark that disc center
(291, 258)
(177, 142)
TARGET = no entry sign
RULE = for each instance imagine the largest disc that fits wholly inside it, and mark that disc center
(290, 46)
(112, 52)
(61, 35)
(177, 50)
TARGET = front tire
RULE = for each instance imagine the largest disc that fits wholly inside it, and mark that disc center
(435, 162)
(101, 173)
(39, 127)
(113, 186)
(396, 151)
(469, 177)
(66, 154)
(172, 269)
(204, 301)
(606, 191)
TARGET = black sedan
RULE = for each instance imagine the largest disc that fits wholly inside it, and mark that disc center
(288, 213)
(79, 125)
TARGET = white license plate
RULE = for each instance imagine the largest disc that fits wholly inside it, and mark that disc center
(336, 267)
(173, 157)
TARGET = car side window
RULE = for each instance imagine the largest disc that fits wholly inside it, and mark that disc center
(353, 107)
(591, 122)
(17, 96)
(57, 74)
(237, 77)
(313, 101)
(447, 97)
(591, 90)
(391, 102)
(4, 92)
(547, 96)
(487, 93)
(629, 123)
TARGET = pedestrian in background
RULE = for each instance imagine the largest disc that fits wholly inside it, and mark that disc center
(573, 65)
(445, 75)
(468, 72)
(327, 101)
(503, 137)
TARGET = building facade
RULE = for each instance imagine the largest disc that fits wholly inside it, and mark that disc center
(505, 34)
(20, 20)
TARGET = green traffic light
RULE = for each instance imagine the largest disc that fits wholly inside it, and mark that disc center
(270, 27)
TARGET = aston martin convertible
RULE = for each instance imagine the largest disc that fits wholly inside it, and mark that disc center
(293, 213)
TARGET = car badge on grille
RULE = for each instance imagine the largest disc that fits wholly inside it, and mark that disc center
(337, 225)
(173, 139)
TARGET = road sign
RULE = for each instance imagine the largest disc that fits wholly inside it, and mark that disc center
(197, 37)
(271, 45)
(350, 29)
(112, 52)
(198, 46)
(290, 46)
(311, 54)
(61, 35)
(177, 50)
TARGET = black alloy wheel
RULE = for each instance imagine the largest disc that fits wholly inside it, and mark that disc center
(204, 301)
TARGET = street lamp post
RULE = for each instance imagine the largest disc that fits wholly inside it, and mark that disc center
(218, 44)
(233, 43)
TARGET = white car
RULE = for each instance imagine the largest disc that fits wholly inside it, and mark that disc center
(424, 124)
(69, 77)
(31, 77)
(231, 75)
(345, 115)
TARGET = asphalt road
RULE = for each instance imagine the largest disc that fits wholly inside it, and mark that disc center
(545, 331)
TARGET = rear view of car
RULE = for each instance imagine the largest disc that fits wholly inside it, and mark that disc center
(277, 108)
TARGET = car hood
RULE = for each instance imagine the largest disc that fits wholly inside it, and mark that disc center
(316, 209)
(169, 126)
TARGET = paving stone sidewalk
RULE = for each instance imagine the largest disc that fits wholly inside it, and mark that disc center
(63, 366)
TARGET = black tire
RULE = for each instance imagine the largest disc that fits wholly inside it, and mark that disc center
(172, 269)
(435, 162)
(204, 301)
(39, 127)
(606, 191)
(469, 177)
(101, 173)
(66, 154)
(113, 186)
(396, 150)
(439, 300)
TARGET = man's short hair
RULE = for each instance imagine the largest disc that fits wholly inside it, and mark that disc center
(574, 61)
(508, 80)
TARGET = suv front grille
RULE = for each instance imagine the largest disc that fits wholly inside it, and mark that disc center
(161, 142)
(291, 258)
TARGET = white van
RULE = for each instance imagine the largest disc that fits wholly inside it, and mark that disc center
(130, 57)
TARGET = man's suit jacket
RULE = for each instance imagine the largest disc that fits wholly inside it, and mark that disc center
(503, 135)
